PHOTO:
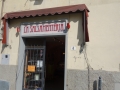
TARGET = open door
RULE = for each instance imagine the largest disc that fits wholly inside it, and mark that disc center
(34, 66)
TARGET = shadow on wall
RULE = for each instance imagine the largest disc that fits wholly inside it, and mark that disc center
(3, 47)
(80, 34)
(79, 31)
(37, 2)
(11, 25)
(17, 34)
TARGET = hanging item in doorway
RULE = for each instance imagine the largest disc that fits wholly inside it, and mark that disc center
(39, 63)
(36, 77)
(31, 68)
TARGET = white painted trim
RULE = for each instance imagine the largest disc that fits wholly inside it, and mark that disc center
(44, 35)
(65, 67)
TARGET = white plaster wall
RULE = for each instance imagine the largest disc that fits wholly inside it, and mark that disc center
(104, 31)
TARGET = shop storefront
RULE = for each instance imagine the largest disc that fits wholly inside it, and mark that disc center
(44, 44)
(48, 38)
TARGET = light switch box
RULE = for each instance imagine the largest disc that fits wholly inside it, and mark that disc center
(5, 59)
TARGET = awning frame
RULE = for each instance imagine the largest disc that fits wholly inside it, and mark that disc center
(46, 12)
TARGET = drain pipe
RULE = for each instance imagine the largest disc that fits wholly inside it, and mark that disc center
(84, 45)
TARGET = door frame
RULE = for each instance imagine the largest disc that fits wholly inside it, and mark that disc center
(20, 68)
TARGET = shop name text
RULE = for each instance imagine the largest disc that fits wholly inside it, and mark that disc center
(57, 27)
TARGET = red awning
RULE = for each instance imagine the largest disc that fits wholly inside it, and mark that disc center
(46, 12)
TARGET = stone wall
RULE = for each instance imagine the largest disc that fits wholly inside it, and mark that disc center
(8, 75)
(78, 80)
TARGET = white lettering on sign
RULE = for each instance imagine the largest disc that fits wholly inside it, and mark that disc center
(45, 28)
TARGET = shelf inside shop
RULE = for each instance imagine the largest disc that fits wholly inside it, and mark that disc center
(36, 80)
(34, 72)
(35, 60)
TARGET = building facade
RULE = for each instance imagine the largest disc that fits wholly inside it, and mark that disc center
(83, 62)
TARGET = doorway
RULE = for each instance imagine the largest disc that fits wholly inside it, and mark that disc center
(53, 63)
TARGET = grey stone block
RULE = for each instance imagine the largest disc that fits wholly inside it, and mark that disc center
(4, 85)
(8, 74)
